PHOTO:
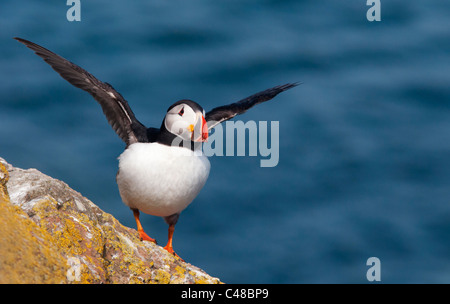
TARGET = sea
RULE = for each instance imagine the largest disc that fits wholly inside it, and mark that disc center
(363, 142)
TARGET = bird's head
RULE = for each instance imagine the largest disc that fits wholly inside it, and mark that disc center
(186, 119)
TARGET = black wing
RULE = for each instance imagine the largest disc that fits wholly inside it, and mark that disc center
(219, 114)
(115, 107)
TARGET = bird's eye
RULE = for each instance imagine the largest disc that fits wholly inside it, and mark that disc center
(181, 112)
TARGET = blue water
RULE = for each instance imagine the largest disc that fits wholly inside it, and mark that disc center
(364, 164)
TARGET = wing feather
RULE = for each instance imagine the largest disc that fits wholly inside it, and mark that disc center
(223, 113)
(114, 106)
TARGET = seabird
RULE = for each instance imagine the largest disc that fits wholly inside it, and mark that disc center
(162, 169)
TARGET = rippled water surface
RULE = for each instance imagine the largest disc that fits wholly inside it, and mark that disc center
(364, 166)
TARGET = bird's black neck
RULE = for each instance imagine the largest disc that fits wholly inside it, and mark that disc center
(164, 137)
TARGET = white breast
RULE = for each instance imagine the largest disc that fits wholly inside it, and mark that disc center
(161, 180)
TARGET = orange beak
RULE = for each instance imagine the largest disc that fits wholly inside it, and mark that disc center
(204, 132)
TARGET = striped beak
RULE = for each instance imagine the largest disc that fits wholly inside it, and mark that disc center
(200, 132)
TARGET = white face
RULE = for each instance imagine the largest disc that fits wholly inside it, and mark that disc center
(182, 121)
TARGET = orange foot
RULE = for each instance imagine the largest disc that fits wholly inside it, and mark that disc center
(170, 250)
(144, 237)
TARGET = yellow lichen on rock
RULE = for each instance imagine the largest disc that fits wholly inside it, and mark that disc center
(4, 176)
(27, 252)
(50, 233)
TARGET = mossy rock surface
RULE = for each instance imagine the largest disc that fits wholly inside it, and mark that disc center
(50, 233)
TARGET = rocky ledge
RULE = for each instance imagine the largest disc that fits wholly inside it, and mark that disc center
(49, 233)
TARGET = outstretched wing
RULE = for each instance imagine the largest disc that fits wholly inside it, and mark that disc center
(115, 107)
(220, 114)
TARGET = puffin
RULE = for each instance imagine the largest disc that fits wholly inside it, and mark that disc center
(162, 169)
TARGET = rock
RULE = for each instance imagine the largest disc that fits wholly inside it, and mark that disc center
(49, 233)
